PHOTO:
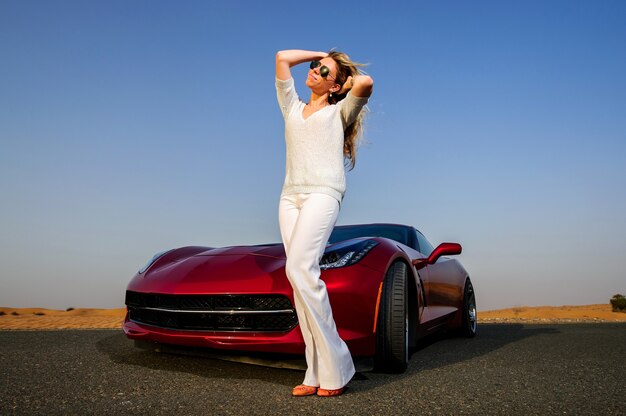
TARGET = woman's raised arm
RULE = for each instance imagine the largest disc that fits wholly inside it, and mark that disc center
(286, 59)
(359, 85)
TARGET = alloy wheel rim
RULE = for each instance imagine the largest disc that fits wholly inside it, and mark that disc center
(471, 315)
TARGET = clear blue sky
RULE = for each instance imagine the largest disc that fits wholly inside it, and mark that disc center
(127, 128)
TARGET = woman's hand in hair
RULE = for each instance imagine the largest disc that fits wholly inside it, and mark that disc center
(360, 85)
(347, 86)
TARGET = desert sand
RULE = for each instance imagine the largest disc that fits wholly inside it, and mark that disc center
(38, 318)
(552, 314)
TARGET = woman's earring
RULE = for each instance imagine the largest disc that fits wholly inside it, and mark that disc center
(331, 95)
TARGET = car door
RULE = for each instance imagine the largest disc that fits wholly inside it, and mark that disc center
(441, 293)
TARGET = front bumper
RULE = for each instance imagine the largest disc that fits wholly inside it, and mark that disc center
(353, 293)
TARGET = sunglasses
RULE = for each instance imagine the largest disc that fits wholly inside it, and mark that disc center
(324, 71)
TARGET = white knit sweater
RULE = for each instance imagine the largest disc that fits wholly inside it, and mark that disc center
(315, 145)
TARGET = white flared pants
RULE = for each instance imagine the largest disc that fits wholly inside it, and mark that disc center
(306, 221)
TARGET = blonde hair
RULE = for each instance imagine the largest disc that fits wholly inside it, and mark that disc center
(353, 133)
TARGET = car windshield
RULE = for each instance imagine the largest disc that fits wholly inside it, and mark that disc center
(394, 232)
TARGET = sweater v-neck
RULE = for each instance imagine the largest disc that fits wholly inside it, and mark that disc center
(313, 113)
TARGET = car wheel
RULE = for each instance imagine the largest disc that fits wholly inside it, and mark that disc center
(392, 336)
(469, 317)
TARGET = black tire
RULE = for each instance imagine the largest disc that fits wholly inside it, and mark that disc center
(392, 349)
(469, 321)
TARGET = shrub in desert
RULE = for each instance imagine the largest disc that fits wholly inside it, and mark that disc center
(2, 313)
(618, 302)
(14, 313)
(69, 309)
(39, 313)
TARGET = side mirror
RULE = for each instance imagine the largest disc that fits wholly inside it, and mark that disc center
(443, 249)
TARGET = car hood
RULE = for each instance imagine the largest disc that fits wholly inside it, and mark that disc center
(273, 250)
(239, 269)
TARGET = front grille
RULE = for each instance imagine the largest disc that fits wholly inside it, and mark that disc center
(267, 313)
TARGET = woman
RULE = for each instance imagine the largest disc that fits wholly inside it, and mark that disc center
(319, 134)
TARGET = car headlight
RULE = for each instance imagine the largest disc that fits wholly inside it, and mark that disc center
(346, 254)
(152, 260)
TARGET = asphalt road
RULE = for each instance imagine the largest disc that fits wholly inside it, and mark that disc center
(507, 369)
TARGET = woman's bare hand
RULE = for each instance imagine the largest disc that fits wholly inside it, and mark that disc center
(347, 86)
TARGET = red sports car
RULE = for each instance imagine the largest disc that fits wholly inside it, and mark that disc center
(387, 286)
